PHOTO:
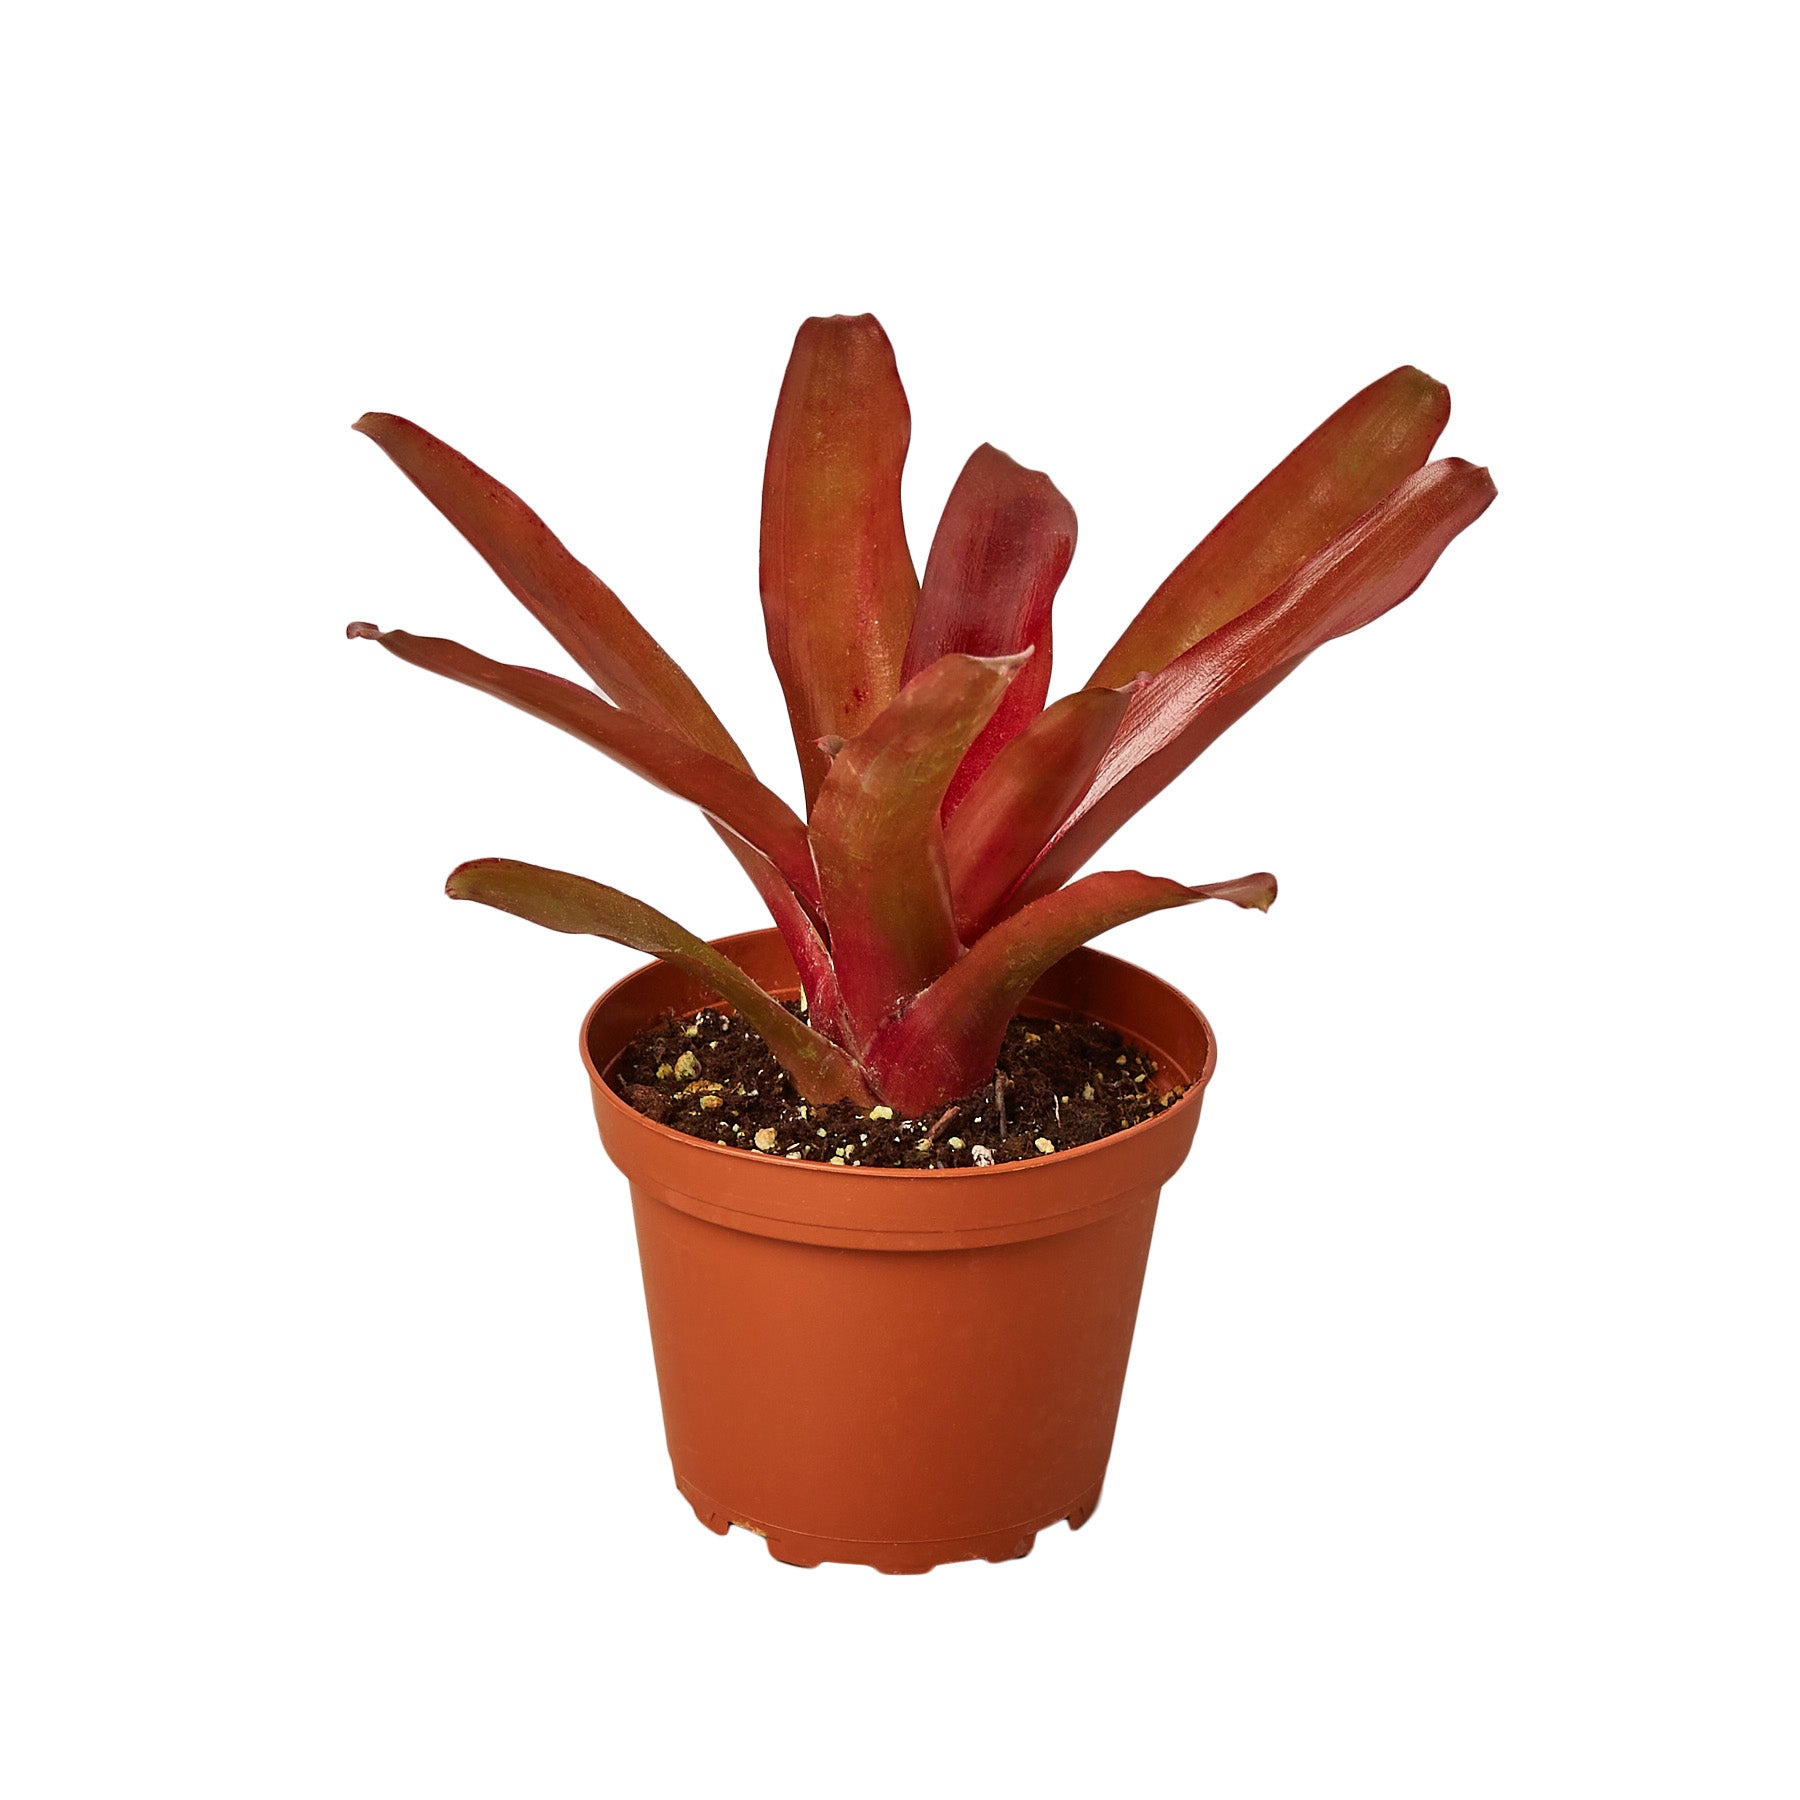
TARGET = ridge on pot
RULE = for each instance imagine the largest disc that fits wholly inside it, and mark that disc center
(895, 1367)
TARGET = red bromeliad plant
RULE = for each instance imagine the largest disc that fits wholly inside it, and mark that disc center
(929, 885)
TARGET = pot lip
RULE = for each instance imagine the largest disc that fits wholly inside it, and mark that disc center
(1176, 1117)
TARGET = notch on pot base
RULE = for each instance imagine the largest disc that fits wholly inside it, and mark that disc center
(801, 1550)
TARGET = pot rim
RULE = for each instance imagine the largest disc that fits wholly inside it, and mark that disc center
(1178, 1118)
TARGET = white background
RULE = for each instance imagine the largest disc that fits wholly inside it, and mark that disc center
(1458, 1454)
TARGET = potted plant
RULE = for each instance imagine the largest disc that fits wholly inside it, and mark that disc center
(890, 1311)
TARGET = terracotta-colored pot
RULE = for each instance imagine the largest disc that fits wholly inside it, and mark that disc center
(886, 1366)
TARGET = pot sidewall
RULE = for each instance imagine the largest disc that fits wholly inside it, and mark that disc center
(875, 1364)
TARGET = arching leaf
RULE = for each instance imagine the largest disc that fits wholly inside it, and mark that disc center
(1357, 457)
(727, 792)
(1176, 713)
(820, 1071)
(568, 599)
(946, 1042)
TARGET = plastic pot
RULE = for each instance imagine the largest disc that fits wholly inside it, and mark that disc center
(886, 1366)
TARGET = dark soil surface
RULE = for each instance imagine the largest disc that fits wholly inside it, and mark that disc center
(1059, 1083)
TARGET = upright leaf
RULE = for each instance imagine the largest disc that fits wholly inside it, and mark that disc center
(569, 600)
(946, 1042)
(1359, 455)
(793, 919)
(819, 1069)
(838, 585)
(878, 843)
(1021, 799)
(720, 788)
(1176, 713)
(1000, 553)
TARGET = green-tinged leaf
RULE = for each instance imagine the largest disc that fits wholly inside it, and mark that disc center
(1001, 551)
(1021, 799)
(725, 791)
(1176, 713)
(878, 842)
(946, 1042)
(838, 585)
(1359, 455)
(819, 1070)
(569, 600)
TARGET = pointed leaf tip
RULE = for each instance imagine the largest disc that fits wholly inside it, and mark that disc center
(1372, 443)
(566, 597)
(1174, 716)
(725, 792)
(1008, 663)
(945, 1043)
(1255, 892)
(1427, 387)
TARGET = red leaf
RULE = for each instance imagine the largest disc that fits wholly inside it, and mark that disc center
(1368, 446)
(878, 843)
(946, 1042)
(812, 961)
(838, 585)
(1176, 713)
(1022, 797)
(572, 603)
(719, 788)
(819, 1069)
(1001, 551)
